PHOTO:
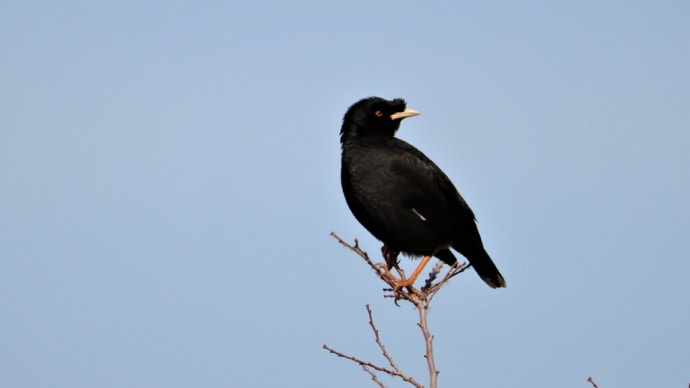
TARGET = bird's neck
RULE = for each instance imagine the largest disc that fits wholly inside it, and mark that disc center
(368, 140)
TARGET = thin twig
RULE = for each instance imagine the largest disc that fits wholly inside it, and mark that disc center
(361, 362)
(373, 376)
(355, 248)
(591, 381)
(367, 364)
(388, 357)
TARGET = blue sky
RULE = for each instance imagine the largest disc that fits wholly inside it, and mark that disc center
(170, 177)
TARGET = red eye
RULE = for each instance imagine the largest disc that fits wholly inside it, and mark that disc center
(378, 113)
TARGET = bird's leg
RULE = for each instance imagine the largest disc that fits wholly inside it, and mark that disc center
(410, 281)
(391, 257)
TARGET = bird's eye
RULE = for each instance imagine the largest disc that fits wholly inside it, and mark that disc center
(378, 113)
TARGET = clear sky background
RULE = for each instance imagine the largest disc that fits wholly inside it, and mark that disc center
(169, 178)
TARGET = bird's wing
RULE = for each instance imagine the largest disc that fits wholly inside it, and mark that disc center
(427, 191)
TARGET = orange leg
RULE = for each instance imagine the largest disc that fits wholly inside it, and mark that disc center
(410, 281)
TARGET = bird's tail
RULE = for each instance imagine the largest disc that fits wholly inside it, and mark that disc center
(486, 269)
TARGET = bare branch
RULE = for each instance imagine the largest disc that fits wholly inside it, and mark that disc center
(429, 342)
(361, 362)
(379, 343)
(373, 376)
(367, 366)
(419, 298)
(356, 249)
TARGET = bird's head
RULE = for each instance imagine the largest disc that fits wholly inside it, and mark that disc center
(374, 116)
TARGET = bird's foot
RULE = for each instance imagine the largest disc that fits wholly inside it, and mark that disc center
(406, 284)
(398, 284)
(385, 273)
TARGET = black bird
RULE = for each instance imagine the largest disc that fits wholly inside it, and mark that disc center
(401, 197)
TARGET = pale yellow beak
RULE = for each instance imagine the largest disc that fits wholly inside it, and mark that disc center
(403, 114)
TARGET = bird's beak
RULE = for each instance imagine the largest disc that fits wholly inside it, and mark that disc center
(403, 114)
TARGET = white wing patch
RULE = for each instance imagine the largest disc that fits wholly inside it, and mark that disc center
(419, 214)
